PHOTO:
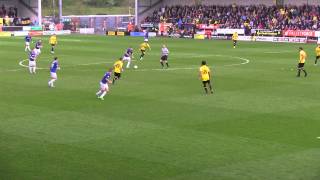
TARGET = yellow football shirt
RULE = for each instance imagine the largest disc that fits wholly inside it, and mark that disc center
(53, 40)
(118, 66)
(204, 73)
(318, 51)
(235, 36)
(303, 56)
(144, 46)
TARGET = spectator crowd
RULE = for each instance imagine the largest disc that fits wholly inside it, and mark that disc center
(12, 12)
(289, 17)
(9, 17)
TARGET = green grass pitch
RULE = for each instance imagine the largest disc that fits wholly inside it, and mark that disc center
(262, 122)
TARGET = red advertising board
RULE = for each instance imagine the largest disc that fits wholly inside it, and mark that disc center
(35, 33)
(299, 33)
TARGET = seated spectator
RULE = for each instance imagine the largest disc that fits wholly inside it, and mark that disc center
(233, 16)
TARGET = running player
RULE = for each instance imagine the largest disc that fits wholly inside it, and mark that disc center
(205, 76)
(53, 42)
(128, 55)
(143, 48)
(164, 56)
(53, 72)
(317, 54)
(117, 70)
(32, 61)
(38, 47)
(235, 39)
(104, 88)
(302, 60)
(27, 40)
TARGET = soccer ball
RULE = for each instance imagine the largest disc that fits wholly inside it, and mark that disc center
(135, 67)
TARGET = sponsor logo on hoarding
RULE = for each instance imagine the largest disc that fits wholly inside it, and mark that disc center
(265, 32)
(35, 33)
(120, 33)
(5, 34)
(141, 34)
(199, 36)
(299, 33)
(230, 31)
(111, 33)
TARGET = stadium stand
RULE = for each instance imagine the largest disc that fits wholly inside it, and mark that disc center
(239, 16)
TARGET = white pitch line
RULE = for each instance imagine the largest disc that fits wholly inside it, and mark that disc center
(88, 64)
(277, 52)
(246, 61)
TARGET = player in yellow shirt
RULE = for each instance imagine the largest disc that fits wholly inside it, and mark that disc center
(53, 41)
(205, 76)
(143, 47)
(302, 60)
(317, 54)
(235, 39)
(117, 67)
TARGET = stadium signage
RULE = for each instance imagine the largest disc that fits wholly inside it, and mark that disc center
(5, 34)
(26, 28)
(208, 26)
(265, 32)
(273, 39)
(299, 33)
(148, 25)
(119, 33)
(111, 33)
(35, 33)
(36, 28)
(199, 36)
(229, 31)
(139, 34)
(12, 28)
(86, 30)
(20, 33)
(290, 40)
(317, 34)
(64, 32)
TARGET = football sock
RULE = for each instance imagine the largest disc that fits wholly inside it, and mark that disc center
(167, 65)
(31, 70)
(162, 64)
(299, 71)
(98, 93)
(51, 82)
(210, 88)
(305, 73)
(141, 56)
(128, 64)
(206, 89)
(103, 94)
